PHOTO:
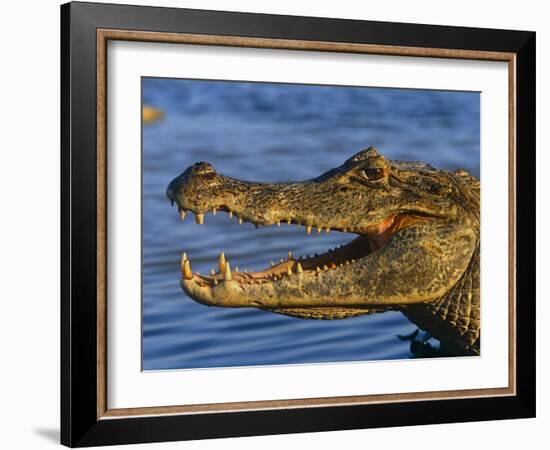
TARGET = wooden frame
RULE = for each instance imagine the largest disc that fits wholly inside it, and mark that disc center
(86, 418)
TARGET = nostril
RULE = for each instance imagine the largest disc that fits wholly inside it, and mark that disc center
(203, 167)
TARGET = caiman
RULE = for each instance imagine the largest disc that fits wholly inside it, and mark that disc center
(415, 247)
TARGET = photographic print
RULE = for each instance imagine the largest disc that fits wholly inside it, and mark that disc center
(279, 203)
(299, 224)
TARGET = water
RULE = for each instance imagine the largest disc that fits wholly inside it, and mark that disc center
(274, 132)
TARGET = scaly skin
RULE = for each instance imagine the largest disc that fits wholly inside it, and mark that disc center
(417, 249)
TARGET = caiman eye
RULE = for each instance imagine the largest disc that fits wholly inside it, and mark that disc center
(374, 173)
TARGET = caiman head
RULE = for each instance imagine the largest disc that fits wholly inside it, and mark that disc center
(414, 232)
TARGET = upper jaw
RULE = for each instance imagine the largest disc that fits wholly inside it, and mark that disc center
(201, 190)
(262, 204)
(272, 212)
(297, 203)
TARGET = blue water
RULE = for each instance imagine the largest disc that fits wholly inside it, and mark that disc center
(268, 132)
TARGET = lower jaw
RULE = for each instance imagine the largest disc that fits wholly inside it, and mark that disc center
(344, 255)
(231, 294)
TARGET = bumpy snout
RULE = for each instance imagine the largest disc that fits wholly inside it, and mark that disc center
(325, 203)
(195, 188)
(201, 189)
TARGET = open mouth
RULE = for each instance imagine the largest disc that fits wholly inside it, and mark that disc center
(365, 242)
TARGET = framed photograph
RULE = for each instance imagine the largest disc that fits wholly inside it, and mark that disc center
(276, 224)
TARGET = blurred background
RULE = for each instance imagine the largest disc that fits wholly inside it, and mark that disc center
(273, 132)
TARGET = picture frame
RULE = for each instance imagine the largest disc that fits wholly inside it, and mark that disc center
(86, 29)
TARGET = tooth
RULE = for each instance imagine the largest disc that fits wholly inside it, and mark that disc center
(187, 274)
(289, 221)
(183, 259)
(345, 230)
(289, 271)
(215, 282)
(317, 270)
(318, 230)
(214, 211)
(199, 218)
(352, 260)
(240, 221)
(278, 223)
(289, 256)
(308, 229)
(236, 269)
(325, 267)
(212, 272)
(275, 278)
(347, 263)
(221, 262)
(227, 272)
(299, 268)
(230, 214)
(327, 230)
(182, 214)
(282, 261)
(272, 263)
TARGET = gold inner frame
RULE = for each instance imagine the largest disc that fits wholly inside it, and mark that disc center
(103, 36)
